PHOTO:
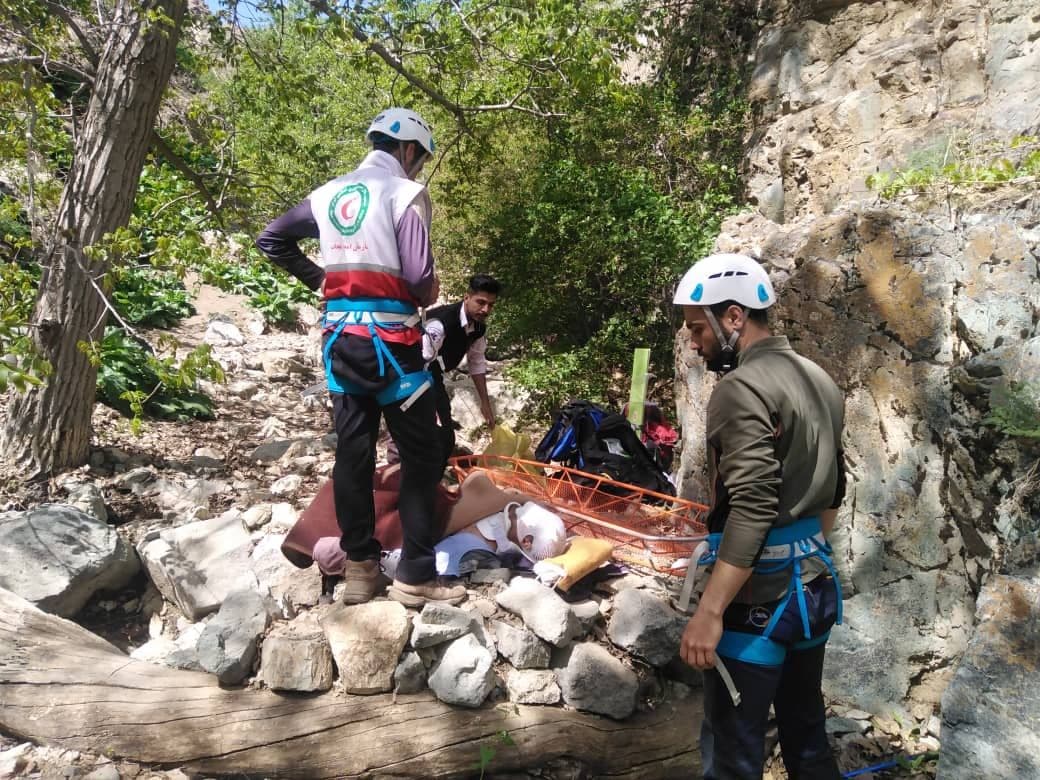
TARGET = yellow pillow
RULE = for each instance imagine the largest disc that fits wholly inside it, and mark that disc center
(583, 555)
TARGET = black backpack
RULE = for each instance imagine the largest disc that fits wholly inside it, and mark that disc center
(590, 438)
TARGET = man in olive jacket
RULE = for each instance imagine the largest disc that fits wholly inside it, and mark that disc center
(775, 465)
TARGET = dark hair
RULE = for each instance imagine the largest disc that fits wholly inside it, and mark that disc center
(759, 316)
(385, 143)
(484, 283)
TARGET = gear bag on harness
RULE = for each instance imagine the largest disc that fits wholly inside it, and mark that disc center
(376, 314)
(589, 438)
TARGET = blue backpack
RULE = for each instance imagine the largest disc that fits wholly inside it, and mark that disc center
(590, 438)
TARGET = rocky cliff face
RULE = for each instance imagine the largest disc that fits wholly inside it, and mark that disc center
(923, 306)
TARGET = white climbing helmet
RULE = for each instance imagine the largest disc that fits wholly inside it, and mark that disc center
(726, 277)
(546, 529)
(404, 125)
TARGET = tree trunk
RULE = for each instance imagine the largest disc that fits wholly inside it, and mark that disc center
(48, 428)
(63, 686)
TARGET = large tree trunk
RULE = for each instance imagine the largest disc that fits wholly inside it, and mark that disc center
(48, 428)
(63, 686)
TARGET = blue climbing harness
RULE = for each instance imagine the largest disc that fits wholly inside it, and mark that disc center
(376, 314)
(785, 547)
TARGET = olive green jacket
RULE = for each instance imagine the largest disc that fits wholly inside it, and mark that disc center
(774, 455)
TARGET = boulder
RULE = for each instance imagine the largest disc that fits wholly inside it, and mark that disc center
(197, 565)
(544, 612)
(464, 675)
(366, 640)
(58, 556)
(521, 647)
(645, 626)
(296, 658)
(991, 709)
(439, 623)
(593, 680)
(227, 647)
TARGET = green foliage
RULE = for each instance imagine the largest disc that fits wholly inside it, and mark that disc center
(962, 167)
(20, 364)
(15, 239)
(151, 298)
(137, 383)
(916, 763)
(586, 190)
(589, 252)
(1018, 412)
(271, 292)
(488, 752)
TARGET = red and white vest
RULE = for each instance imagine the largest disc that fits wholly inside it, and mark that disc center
(357, 216)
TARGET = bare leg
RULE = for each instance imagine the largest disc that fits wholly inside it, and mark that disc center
(478, 498)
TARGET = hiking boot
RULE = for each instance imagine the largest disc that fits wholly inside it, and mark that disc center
(433, 590)
(362, 580)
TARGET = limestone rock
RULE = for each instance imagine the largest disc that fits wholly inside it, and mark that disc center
(593, 680)
(991, 710)
(545, 613)
(299, 587)
(296, 659)
(532, 686)
(464, 675)
(57, 557)
(645, 626)
(197, 565)
(222, 332)
(366, 640)
(227, 647)
(439, 623)
(410, 674)
(287, 485)
(88, 498)
(521, 647)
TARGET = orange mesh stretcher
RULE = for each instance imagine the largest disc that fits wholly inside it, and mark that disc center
(646, 528)
(669, 535)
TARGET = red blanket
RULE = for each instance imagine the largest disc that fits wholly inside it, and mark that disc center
(319, 519)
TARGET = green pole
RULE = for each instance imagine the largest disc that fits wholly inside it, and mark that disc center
(637, 395)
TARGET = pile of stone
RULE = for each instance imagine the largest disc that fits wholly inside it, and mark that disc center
(221, 598)
(513, 639)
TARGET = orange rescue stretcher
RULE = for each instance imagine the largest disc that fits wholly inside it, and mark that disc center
(647, 528)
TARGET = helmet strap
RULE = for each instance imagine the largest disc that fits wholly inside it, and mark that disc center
(413, 171)
(727, 359)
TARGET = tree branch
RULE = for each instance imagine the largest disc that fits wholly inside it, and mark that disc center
(85, 43)
(182, 167)
(49, 65)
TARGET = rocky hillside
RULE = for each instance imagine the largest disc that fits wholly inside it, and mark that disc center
(921, 296)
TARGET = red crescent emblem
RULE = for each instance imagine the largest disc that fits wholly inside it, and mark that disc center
(349, 209)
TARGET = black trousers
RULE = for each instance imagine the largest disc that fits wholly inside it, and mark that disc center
(414, 432)
(447, 427)
(733, 738)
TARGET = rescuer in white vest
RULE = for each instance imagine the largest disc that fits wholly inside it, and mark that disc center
(376, 272)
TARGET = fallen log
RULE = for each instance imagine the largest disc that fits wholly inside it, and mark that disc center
(61, 685)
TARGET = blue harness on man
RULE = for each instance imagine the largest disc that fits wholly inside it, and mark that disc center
(377, 314)
(785, 547)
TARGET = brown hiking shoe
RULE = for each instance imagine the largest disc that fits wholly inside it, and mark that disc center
(362, 580)
(433, 590)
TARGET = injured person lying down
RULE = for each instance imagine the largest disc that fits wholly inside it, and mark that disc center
(484, 526)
